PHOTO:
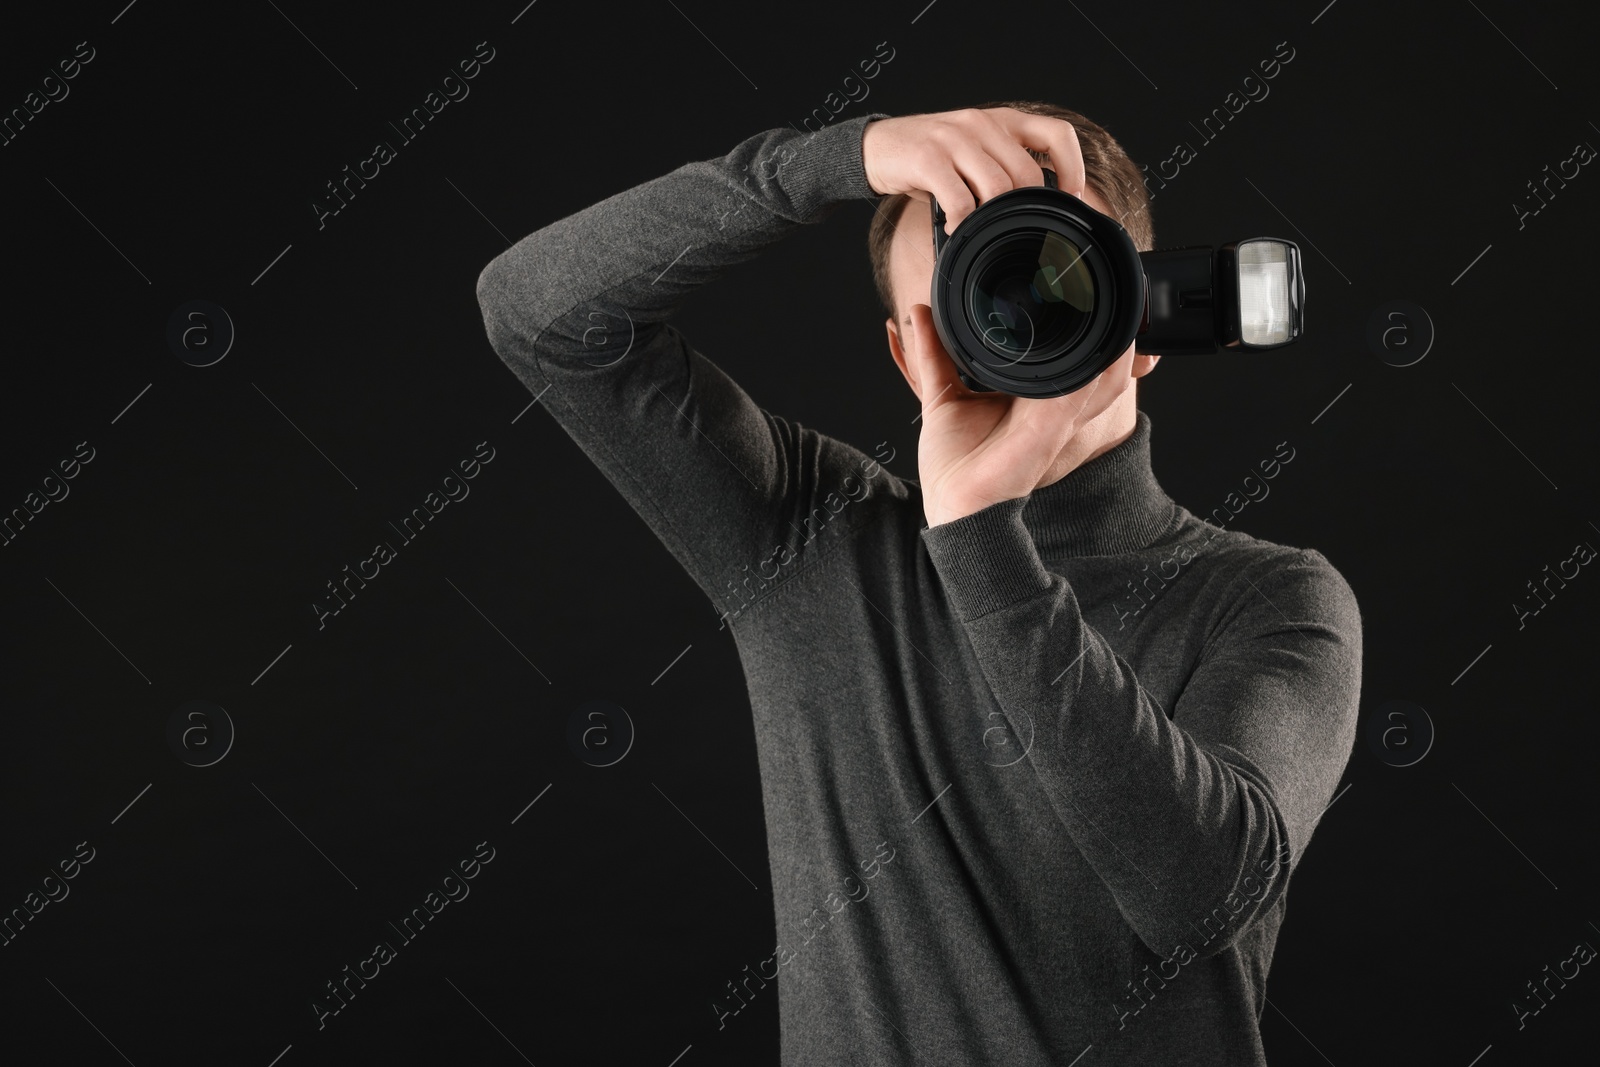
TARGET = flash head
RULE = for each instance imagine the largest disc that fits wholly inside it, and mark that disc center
(1037, 292)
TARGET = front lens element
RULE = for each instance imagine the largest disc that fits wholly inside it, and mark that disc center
(1032, 294)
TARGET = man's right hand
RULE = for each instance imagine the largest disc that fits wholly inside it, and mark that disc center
(968, 156)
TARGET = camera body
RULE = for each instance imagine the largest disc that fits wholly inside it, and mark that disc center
(1036, 293)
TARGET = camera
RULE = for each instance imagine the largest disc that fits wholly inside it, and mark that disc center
(1037, 292)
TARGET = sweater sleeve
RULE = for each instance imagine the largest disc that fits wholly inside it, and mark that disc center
(1179, 816)
(577, 310)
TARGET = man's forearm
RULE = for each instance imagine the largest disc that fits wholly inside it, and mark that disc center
(573, 287)
(1177, 814)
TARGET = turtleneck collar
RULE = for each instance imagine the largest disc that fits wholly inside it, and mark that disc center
(1109, 505)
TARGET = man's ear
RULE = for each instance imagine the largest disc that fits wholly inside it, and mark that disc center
(1143, 364)
(899, 353)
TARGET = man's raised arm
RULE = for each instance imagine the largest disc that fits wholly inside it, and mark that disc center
(578, 309)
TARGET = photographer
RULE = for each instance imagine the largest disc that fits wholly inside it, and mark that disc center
(1094, 828)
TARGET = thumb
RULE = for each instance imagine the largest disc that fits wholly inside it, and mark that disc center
(937, 380)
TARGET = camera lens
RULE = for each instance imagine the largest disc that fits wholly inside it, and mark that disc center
(1035, 292)
(1032, 295)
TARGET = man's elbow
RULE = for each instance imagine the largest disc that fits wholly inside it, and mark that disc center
(1201, 936)
(490, 290)
(1231, 915)
(504, 319)
(1223, 928)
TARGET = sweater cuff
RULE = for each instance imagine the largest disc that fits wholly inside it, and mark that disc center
(987, 560)
(827, 166)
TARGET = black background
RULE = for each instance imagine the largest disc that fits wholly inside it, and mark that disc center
(374, 754)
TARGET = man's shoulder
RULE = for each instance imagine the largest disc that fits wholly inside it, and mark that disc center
(1246, 573)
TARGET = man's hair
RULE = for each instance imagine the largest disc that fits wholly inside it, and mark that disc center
(1110, 173)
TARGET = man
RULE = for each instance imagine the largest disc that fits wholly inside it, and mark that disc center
(1039, 748)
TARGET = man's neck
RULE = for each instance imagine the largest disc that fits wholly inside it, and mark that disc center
(1109, 429)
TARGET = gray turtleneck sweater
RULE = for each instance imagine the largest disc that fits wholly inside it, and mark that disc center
(1035, 780)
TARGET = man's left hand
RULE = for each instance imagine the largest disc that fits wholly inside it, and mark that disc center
(977, 449)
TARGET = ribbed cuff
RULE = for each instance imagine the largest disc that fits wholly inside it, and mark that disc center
(827, 166)
(987, 560)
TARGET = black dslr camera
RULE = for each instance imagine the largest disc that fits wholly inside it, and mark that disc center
(1037, 292)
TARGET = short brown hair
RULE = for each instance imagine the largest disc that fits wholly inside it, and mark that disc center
(1111, 174)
